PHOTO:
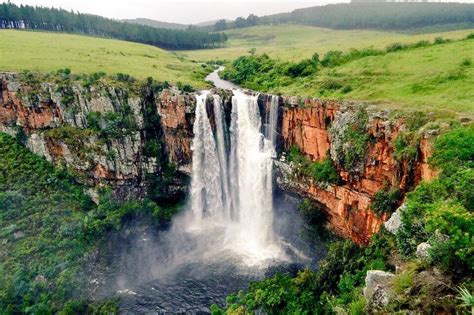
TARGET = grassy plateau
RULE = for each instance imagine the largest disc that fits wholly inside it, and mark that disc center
(46, 52)
(295, 42)
(437, 77)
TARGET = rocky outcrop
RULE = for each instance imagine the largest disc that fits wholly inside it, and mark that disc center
(378, 289)
(395, 222)
(423, 250)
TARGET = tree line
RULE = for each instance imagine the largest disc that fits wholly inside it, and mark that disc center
(386, 16)
(59, 20)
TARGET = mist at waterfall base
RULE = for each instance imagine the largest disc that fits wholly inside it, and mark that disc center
(235, 228)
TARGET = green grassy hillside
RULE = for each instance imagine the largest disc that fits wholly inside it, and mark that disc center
(295, 42)
(46, 52)
(434, 76)
(437, 77)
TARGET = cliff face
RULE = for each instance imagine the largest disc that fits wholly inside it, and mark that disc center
(314, 127)
(137, 137)
(115, 134)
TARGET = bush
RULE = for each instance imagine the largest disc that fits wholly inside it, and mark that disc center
(184, 87)
(466, 62)
(454, 150)
(440, 40)
(386, 201)
(394, 47)
(332, 58)
(325, 172)
(455, 252)
(406, 147)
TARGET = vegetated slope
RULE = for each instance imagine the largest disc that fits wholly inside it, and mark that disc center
(46, 52)
(157, 24)
(425, 75)
(58, 20)
(49, 228)
(295, 42)
(42, 229)
(386, 16)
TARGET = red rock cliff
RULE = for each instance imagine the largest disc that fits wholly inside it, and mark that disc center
(54, 123)
(348, 205)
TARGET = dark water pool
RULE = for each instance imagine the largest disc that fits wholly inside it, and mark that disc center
(174, 272)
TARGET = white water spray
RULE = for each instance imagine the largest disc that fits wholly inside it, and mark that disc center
(232, 186)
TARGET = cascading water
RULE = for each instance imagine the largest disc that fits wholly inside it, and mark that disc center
(232, 186)
(232, 233)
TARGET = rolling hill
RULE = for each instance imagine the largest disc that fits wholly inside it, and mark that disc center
(296, 42)
(46, 52)
(157, 24)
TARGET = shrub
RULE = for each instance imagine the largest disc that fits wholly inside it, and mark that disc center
(123, 77)
(440, 40)
(184, 87)
(325, 172)
(454, 253)
(332, 58)
(394, 47)
(406, 147)
(386, 201)
(454, 150)
(302, 69)
(466, 62)
(346, 89)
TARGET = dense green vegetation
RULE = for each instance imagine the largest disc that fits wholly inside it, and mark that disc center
(323, 172)
(434, 74)
(47, 52)
(48, 227)
(391, 16)
(440, 212)
(58, 20)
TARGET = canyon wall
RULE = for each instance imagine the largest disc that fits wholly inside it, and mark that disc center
(108, 133)
(137, 138)
(316, 127)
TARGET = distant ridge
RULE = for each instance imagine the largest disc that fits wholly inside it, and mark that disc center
(370, 14)
(157, 24)
(174, 26)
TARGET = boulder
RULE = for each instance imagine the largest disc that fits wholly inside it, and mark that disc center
(423, 250)
(395, 222)
(377, 290)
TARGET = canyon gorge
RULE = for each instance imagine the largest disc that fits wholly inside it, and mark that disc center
(55, 122)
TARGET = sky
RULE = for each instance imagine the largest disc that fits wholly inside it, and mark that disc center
(178, 11)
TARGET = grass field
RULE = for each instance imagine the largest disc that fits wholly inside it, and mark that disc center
(438, 77)
(430, 77)
(46, 52)
(294, 42)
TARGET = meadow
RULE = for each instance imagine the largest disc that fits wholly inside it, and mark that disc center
(47, 52)
(295, 42)
(437, 77)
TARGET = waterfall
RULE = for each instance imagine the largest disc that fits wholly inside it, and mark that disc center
(232, 175)
(206, 186)
(272, 120)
